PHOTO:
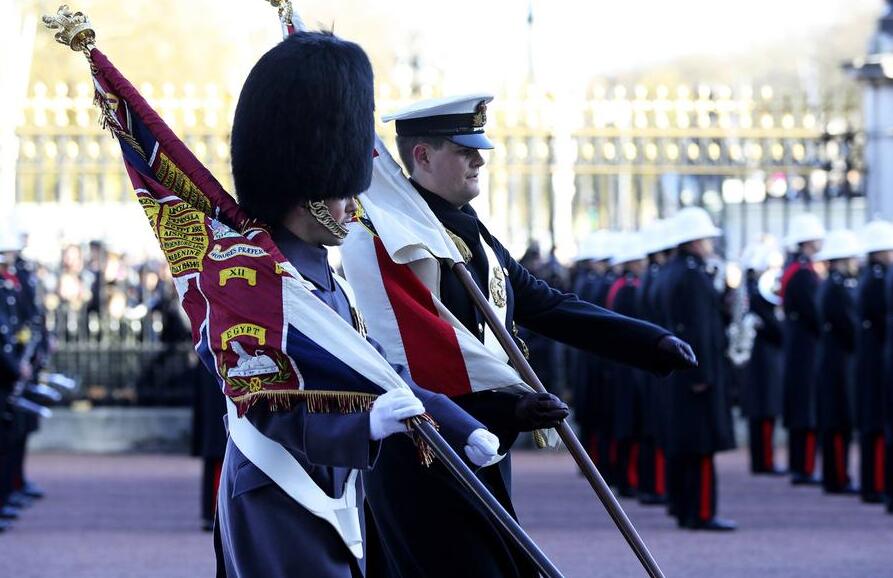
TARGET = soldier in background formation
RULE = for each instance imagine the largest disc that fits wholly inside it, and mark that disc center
(24, 349)
(799, 285)
(818, 355)
(655, 438)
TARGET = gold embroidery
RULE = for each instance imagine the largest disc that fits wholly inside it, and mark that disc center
(460, 245)
(497, 287)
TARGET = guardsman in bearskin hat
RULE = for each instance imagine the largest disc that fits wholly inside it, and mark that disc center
(302, 147)
(699, 418)
(799, 284)
(877, 239)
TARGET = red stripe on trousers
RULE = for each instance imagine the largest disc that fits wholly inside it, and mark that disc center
(218, 470)
(879, 464)
(706, 509)
(432, 347)
(839, 466)
(593, 448)
(632, 468)
(809, 453)
(660, 472)
(768, 457)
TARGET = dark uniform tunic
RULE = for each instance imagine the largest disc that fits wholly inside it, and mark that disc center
(762, 395)
(801, 333)
(263, 531)
(585, 401)
(429, 526)
(888, 393)
(872, 307)
(699, 421)
(837, 313)
(627, 388)
(652, 459)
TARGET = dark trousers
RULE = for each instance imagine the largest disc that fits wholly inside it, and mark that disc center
(652, 468)
(210, 483)
(761, 433)
(801, 452)
(888, 467)
(692, 488)
(627, 469)
(603, 453)
(835, 460)
(871, 464)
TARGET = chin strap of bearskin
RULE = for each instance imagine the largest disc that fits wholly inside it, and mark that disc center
(320, 212)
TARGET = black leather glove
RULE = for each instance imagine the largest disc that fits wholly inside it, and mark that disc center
(676, 354)
(539, 411)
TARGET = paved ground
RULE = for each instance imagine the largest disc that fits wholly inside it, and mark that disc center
(137, 516)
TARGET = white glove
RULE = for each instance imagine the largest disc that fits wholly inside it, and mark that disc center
(483, 448)
(389, 411)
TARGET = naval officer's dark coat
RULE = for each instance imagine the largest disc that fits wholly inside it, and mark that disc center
(698, 422)
(762, 395)
(801, 333)
(467, 543)
(837, 314)
(263, 531)
(872, 312)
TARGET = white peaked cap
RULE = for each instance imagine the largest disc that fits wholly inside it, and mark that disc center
(840, 244)
(629, 248)
(464, 104)
(804, 227)
(877, 236)
(692, 224)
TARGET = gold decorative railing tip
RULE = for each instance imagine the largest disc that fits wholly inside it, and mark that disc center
(74, 29)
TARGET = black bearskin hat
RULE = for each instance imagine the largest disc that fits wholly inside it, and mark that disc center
(304, 126)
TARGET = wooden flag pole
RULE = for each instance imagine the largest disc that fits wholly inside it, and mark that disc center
(476, 488)
(564, 430)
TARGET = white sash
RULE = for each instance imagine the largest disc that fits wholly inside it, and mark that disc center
(287, 473)
(495, 276)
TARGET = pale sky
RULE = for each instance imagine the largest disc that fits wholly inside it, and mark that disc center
(481, 43)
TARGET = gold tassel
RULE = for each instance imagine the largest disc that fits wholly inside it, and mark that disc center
(424, 451)
(539, 438)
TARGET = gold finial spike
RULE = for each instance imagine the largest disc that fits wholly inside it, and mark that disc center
(284, 7)
(74, 28)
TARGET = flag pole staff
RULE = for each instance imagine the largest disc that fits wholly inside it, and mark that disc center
(475, 487)
(291, 22)
(567, 435)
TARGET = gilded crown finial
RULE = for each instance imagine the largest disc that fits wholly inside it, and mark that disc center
(284, 7)
(74, 28)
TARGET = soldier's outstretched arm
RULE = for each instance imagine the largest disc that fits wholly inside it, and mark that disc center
(565, 318)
